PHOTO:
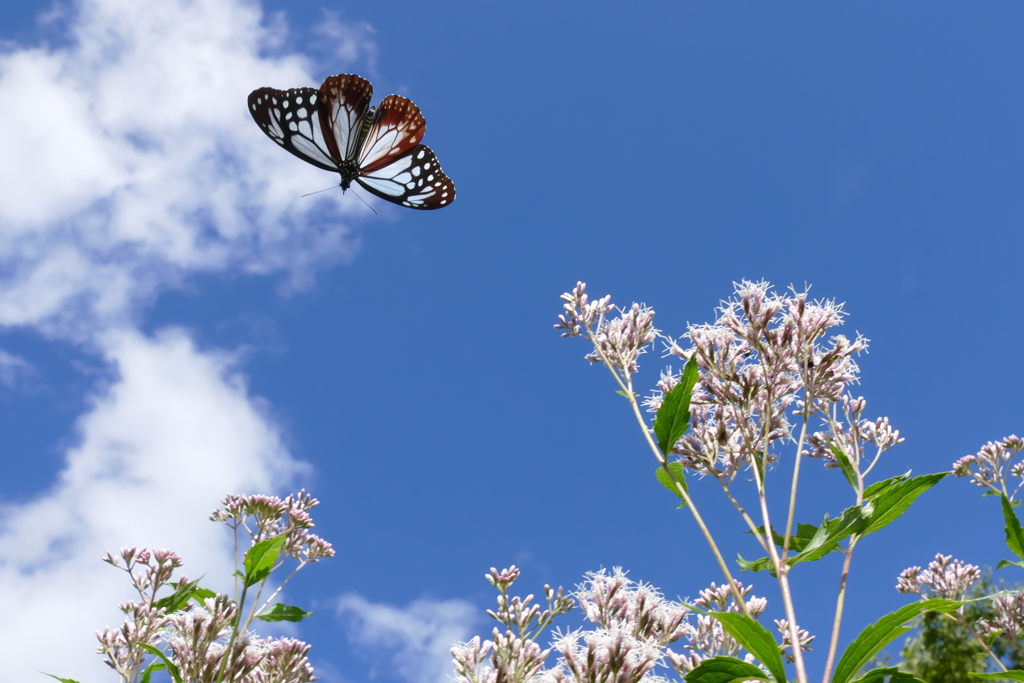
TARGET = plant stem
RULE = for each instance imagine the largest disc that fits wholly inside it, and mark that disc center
(793, 488)
(782, 572)
(234, 634)
(743, 513)
(663, 461)
(840, 602)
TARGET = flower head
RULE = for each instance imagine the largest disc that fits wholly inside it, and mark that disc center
(618, 342)
(765, 354)
(994, 466)
(269, 516)
(945, 578)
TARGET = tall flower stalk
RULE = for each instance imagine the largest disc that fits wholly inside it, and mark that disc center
(198, 636)
(766, 382)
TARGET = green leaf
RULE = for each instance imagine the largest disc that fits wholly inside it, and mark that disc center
(853, 521)
(179, 599)
(281, 612)
(880, 487)
(1011, 675)
(202, 594)
(819, 542)
(844, 464)
(260, 559)
(884, 502)
(799, 541)
(814, 542)
(147, 674)
(892, 501)
(758, 565)
(673, 416)
(724, 670)
(755, 639)
(1009, 563)
(1014, 535)
(171, 668)
(677, 469)
(892, 674)
(62, 680)
(882, 632)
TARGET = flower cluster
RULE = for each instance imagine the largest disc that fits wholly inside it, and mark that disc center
(945, 578)
(518, 613)
(269, 516)
(849, 435)
(993, 466)
(762, 356)
(1009, 617)
(198, 637)
(144, 623)
(613, 601)
(512, 656)
(803, 637)
(604, 655)
(580, 313)
(506, 658)
(634, 626)
(202, 633)
(634, 623)
(618, 342)
(708, 639)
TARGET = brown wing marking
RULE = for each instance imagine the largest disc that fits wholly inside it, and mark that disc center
(398, 126)
(345, 101)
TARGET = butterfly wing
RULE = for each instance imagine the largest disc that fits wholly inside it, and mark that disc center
(291, 118)
(397, 127)
(323, 127)
(394, 166)
(414, 179)
(345, 102)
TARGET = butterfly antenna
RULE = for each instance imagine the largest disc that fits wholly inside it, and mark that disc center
(319, 191)
(355, 193)
(367, 205)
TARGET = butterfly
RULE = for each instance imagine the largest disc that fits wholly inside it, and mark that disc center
(334, 128)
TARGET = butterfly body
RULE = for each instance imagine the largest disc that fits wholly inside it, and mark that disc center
(349, 171)
(334, 128)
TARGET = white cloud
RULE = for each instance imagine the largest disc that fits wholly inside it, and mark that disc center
(131, 161)
(415, 641)
(160, 446)
(351, 42)
(14, 370)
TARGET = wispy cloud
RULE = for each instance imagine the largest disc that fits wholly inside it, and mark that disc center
(130, 164)
(132, 161)
(160, 446)
(415, 641)
(14, 370)
(350, 42)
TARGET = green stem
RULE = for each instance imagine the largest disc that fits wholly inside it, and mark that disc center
(840, 603)
(663, 461)
(234, 634)
(627, 388)
(793, 488)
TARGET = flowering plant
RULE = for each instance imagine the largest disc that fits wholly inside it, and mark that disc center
(199, 636)
(764, 377)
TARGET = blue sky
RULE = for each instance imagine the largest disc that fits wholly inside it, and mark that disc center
(178, 323)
